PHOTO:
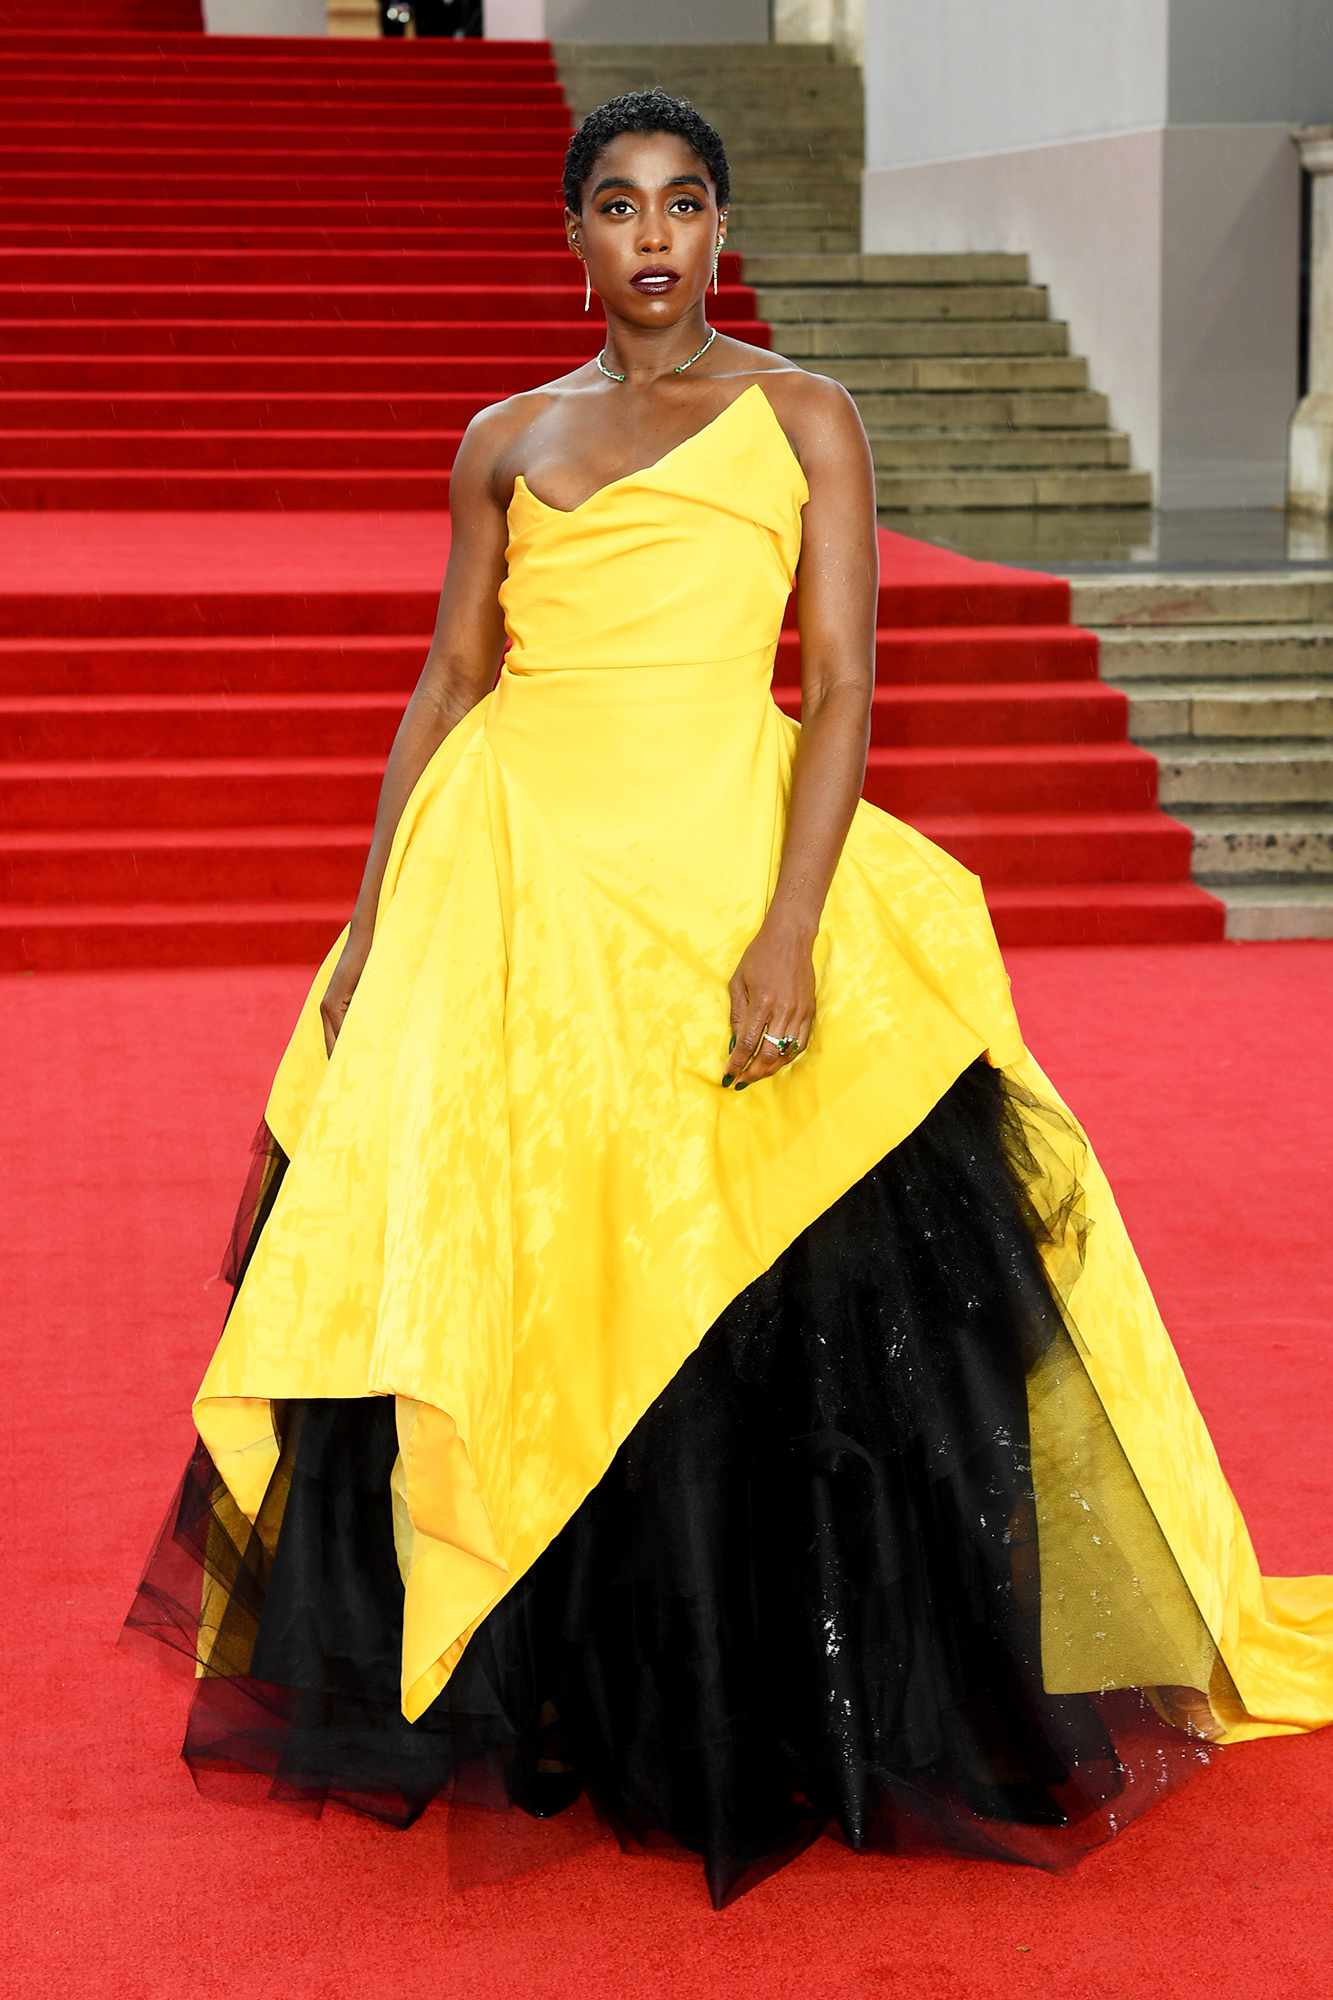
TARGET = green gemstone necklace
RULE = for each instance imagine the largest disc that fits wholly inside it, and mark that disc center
(680, 365)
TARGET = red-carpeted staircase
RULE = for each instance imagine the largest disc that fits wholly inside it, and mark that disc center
(272, 279)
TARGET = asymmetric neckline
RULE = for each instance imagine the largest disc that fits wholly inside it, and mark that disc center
(640, 471)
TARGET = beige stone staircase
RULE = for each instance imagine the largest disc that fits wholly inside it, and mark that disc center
(1230, 680)
(967, 386)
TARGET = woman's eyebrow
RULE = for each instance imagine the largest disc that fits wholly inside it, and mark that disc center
(624, 180)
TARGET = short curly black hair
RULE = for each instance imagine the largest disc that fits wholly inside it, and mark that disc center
(652, 110)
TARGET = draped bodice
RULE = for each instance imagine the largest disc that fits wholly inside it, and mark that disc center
(687, 560)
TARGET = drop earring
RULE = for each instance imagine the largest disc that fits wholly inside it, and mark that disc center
(717, 251)
(587, 287)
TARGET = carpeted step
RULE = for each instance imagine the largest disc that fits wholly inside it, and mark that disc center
(76, 47)
(347, 723)
(1016, 849)
(181, 866)
(96, 668)
(93, 936)
(448, 139)
(444, 123)
(1067, 778)
(137, 17)
(216, 791)
(35, 225)
(283, 412)
(98, 613)
(38, 97)
(516, 353)
(134, 188)
(473, 307)
(1013, 662)
(90, 936)
(275, 491)
(1107, 913)
(468, 277)
(534, 163)
(265, 861)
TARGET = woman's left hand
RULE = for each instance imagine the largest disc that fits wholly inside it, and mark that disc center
(773, 990)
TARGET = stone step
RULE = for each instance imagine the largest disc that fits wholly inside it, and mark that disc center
(835, 85)
(1290, 910)
(1213, 652)
(1245, 846)
(889, 268)
(888, 414)
(798, 235)
(1297, 773)
(850, 357)
(714, 86)
(987, 450)
(784, 166)
(1179, 599)
(1045, 537)
(1265, 711)
(755, 226)
(875, 304)
(973, 340)
(833, 205)
(917, 492)
(832, 84)
(762, 141)
(837, 88)
(706, 57)
(747, 210)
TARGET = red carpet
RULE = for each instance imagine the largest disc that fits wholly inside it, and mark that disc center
(131, 1097)
(195, 711)
(76, 20)
(240, 290)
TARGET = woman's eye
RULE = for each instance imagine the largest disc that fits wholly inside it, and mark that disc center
(623, 201)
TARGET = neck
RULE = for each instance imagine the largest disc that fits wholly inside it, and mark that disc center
(645, 354)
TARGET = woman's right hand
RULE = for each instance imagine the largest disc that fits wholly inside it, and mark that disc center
(342, 985)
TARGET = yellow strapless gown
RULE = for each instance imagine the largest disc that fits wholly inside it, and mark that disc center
(517, 1195)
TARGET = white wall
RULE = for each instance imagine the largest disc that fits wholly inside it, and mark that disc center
(1230, 305)
(514, 20)
(961, 76)
(1246, 62)
(1139, 152)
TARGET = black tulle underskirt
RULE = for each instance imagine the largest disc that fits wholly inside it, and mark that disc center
(804, 1597)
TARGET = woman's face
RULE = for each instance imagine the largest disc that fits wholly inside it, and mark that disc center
(648, 203)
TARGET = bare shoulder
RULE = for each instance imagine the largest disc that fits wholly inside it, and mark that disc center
(491, 432)
(819, 415)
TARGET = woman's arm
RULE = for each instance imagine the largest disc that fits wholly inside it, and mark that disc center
(460, 668)
(837, 591)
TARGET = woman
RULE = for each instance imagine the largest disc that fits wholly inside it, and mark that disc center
(814, 1462)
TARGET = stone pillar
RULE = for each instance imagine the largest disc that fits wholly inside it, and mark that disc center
(1310, 447)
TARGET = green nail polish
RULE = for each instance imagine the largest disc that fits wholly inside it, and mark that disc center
(742, 1086)
(731, 1045)
(727, 1079)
